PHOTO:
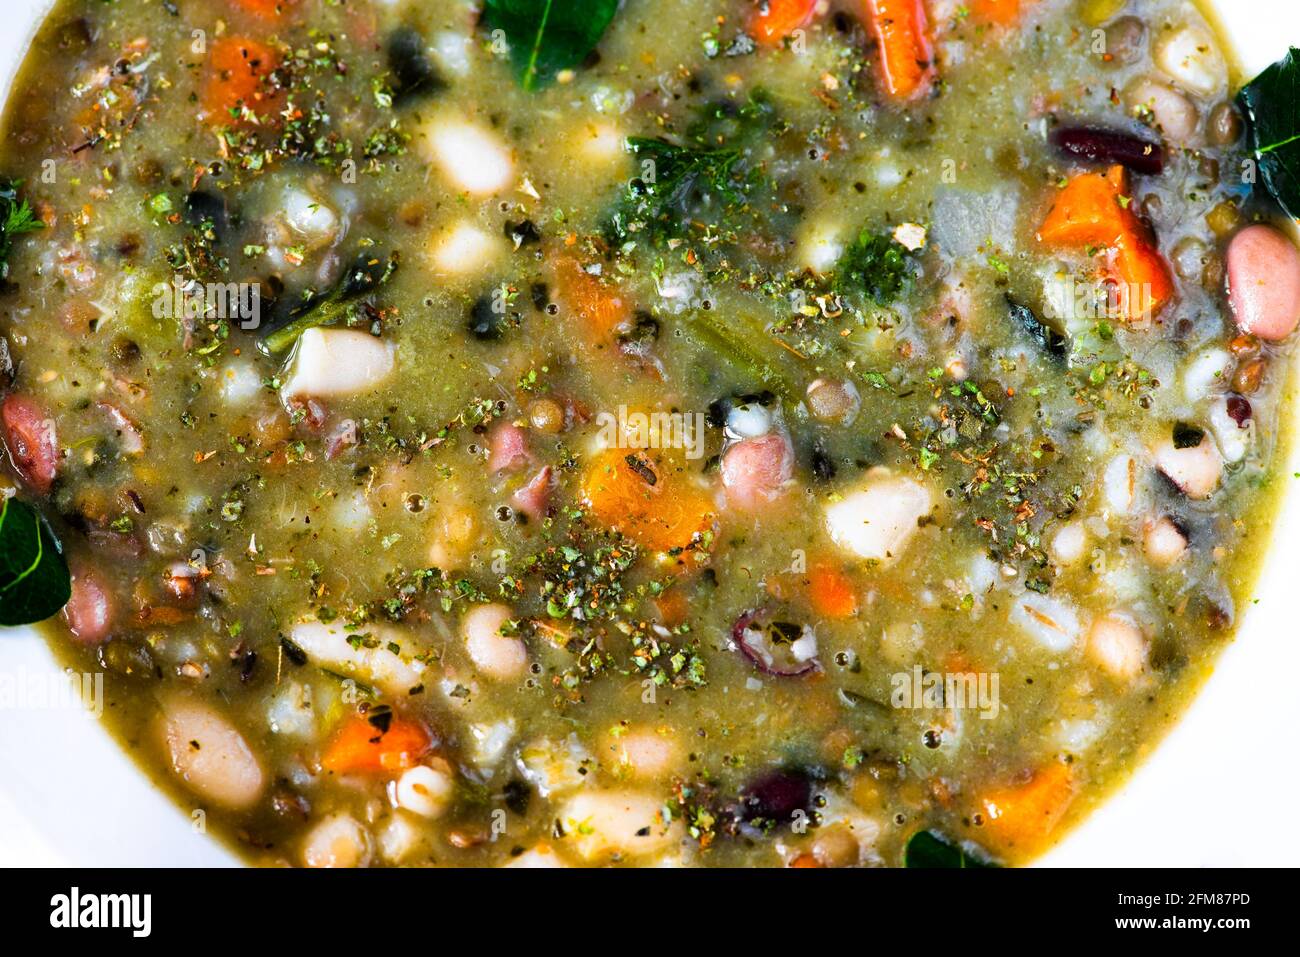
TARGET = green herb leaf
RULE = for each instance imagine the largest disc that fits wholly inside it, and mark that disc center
(34, 578)
(546, 36)
(928, 849)
(16, 218)
(1271, 104)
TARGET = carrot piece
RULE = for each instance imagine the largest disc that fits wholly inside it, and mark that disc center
(1088, 212)
(671, 607)
(906, 55)
(264, 9)
(1002, 12)
(237, 72)
(1024, 815)
(362, 746)
(600, 307)
(805, 860)
(1147, 284)
(775, 20)
(1094, 210)
(637, 493)
(831, 592)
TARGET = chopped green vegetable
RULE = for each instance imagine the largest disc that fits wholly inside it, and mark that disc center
(875, 264)
(672, 183)
(368, 272)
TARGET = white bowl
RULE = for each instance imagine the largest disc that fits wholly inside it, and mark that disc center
(1217, 790)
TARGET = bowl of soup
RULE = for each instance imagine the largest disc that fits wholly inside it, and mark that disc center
(794, 433)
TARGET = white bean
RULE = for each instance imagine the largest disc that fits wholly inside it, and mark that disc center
(1192, 59)
(1195, 470)
(333, 362)
(1163, 541)
(604, 824)
(336, 841)
(209, 754)
(878, 519)
(497, 656)
(424, 790)
(473, 158)
(1116, 644)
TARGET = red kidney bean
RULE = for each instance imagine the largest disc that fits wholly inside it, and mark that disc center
(32, 441)
(89, 612)
(1110, 147)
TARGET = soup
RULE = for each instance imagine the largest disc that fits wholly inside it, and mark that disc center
(706, 433)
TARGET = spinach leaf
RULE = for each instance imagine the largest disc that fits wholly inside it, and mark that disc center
(876, 264)
(1271, 104)
(547, 36)
(34, 578)
(928, 849)
(16, 218)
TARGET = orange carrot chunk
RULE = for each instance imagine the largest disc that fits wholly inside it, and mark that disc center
(264, 9)
(1023, 816)
(236, 82)
(362, 746)
(774, 20)
(1089, 211)
(600, 308)
(831, 592)
(1094, 210)
(906, 55)
(639, 494)
(1002, 12)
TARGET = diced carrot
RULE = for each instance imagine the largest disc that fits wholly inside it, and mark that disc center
(264, 9)
(906, 54)
(1093, 210)
(774, 20)
(1002, 12)
(1023, 816)
(362, 746)
(237, 72)
(671, 607)
(601, 308)
(805, 860)
(1147, 284)
(831, 592)
(1088, 212)
(638, 493)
